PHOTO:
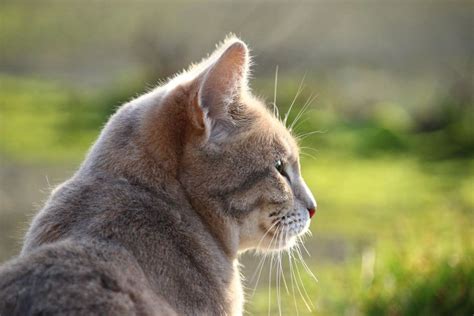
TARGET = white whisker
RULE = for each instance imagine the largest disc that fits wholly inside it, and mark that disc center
(308, 102)
(281, 269)
(268, 230)
(308, 270)
(304, 247)
(270, 275)
(278, 275)
(309, 155)
(262, 261)
(294, 100)
(303, 136)
(303, 151)
(276, 112)
(291, 280)
(297, 126)
(304, 288)
(296, 283)
(259, 270)
(309, 148)
(301, 280)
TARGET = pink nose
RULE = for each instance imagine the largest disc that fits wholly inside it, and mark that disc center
(311, 212)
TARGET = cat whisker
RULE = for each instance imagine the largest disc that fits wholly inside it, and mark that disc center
(302, 244)
(303, 151)
(308, 102)
(304, 288)
(299, 114)
(305, 135)
(276, 112)
(281, 267)
(268, 230)
(282, 275)
(300, 89)
(297, 126)
(259, 270)
(270, 274)
(296, 281)
(305, 266)
(262, 261)
(309, 148)
(278, 275)
(304, 108)
(298, 252)
(292, 282)
(309, 155)
(282, 262)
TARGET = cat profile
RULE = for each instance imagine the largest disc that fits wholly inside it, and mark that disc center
(180, 181)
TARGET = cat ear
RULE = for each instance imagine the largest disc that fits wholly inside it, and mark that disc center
(220, 87)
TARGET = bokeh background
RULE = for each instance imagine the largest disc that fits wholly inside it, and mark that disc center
(392, 165)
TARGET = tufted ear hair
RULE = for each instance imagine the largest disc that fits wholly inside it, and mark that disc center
(220, 85)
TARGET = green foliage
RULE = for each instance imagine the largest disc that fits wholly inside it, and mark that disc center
(46, 121)
(444, 288)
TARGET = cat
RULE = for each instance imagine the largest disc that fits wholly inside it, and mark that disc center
(181, 181)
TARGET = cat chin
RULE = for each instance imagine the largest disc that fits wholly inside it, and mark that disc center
(273, 246)
(290, 242)
(283, 238)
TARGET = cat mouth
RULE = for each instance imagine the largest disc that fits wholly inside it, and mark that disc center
(283, 232)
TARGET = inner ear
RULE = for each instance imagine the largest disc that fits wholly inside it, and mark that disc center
(197, 115)
(224, 79)
(221, 85)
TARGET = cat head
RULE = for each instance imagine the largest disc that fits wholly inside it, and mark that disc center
(239, 164)
(205, 135)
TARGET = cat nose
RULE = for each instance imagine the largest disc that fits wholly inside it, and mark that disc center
(312, 210)
(307, 198)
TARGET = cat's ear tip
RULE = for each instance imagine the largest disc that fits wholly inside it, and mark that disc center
(237, 47)
(232, 38)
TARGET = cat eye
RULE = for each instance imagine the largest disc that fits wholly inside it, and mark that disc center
(280, 168)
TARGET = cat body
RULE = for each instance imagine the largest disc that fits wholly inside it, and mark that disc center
(173, 190)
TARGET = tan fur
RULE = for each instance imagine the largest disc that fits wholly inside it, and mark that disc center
(180, 182)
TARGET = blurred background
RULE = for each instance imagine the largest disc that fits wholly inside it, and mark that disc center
(392, 166)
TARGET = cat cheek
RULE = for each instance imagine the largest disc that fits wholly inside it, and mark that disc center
(286, 193)
(280, 188)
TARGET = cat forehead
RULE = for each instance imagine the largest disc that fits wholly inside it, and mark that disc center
(271, 130)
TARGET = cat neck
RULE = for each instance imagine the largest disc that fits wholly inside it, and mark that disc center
(144, 142)
(223, 230)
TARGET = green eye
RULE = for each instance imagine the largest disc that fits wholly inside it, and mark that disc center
(279, 166)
